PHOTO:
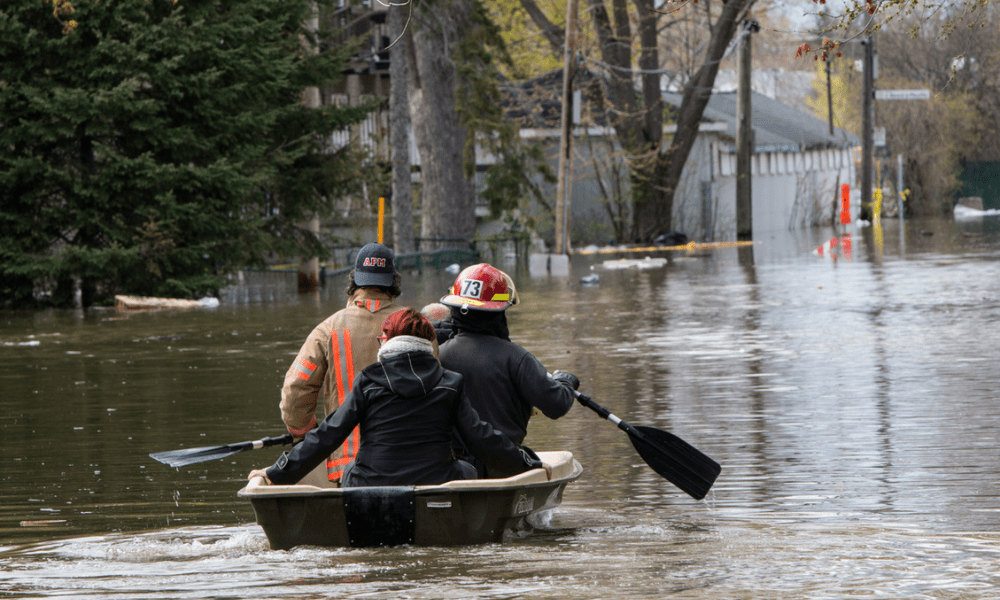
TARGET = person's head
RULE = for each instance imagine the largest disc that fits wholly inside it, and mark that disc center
(374, 267)
(480, 287)
(435, 311)
(407, 322)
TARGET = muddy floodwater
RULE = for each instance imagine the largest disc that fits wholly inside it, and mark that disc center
(852, 399)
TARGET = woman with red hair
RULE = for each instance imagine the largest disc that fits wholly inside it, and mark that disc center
(408, 407)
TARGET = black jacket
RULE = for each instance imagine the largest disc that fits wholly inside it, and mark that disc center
(407, 407)
(504, 381)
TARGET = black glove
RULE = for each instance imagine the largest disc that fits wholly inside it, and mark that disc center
(532, 462)
(531, 459)
(566, 378)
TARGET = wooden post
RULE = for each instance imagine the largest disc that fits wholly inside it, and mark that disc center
(565, 146)
(829, 96)
(867, 100)
(744, 139)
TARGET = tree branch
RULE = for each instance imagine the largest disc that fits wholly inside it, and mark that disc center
(555, 35)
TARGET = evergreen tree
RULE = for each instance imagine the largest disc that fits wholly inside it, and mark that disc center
(152, 146)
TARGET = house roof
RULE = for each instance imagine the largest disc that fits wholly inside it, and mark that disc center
(537, 103)
(777, 126)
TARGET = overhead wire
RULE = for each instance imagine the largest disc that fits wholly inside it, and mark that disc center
(409, 15)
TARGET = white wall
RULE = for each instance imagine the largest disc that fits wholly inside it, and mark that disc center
(790, 190)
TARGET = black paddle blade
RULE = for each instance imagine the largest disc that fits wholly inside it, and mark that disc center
(675, 460)
(190, 456)
(182, 458)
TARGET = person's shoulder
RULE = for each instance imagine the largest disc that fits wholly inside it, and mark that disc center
(451, 379)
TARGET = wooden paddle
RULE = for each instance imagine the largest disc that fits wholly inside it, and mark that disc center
(181, 458)
(674, 459)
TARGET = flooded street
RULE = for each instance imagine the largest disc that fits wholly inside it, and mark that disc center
(853, 402)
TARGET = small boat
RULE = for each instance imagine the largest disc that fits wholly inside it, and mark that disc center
(464, 512)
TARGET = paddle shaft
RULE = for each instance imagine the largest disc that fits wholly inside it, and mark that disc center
(263, 443)
(189, 456)
(606, 414)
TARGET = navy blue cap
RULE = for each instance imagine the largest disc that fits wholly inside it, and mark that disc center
(374, 266)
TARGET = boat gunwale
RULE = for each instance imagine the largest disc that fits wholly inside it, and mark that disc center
(527, 480)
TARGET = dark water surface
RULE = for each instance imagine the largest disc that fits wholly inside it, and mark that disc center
(853, 403)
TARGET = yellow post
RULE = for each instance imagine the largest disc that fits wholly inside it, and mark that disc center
(877, 208)
(381, 217)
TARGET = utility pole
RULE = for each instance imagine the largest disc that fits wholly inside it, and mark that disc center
(565, 146)
(829, 96)
(867, 102)
(744, 138)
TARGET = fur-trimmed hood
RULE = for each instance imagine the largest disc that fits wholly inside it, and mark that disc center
(407, 367)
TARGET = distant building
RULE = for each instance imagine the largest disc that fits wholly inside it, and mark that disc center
(797, 165)
(797, 168)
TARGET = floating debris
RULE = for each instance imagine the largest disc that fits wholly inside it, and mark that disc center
(43, 523)
(147, 302)
(632, 263)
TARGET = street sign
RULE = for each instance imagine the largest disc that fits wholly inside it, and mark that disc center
(902, 94)
(878, 137)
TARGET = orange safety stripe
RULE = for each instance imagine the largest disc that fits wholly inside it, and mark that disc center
(343, 365)
(305, 369)
(371, 305)
(306, 429)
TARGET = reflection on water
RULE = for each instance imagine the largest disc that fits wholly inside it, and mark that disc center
(852, 402)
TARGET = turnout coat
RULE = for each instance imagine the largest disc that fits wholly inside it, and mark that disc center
(407, 407)
(327, 364)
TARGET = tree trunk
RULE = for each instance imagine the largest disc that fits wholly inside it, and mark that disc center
(448, 199)
(309, 265)
(399, 116)
(655, 215)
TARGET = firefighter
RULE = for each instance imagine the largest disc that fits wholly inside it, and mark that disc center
(339, 348)
(504, 382)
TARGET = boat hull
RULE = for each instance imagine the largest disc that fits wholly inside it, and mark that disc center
(454, 513)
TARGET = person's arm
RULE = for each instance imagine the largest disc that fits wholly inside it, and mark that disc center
(489, 445)
(303, 382)
(318, 443)
(551, 396)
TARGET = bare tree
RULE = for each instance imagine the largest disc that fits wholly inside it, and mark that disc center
(638, 116)
(959, 64)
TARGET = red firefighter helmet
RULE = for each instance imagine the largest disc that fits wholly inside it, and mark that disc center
(480, 287)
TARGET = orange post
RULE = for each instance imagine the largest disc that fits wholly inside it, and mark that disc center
(845, 208)
(381, 218)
